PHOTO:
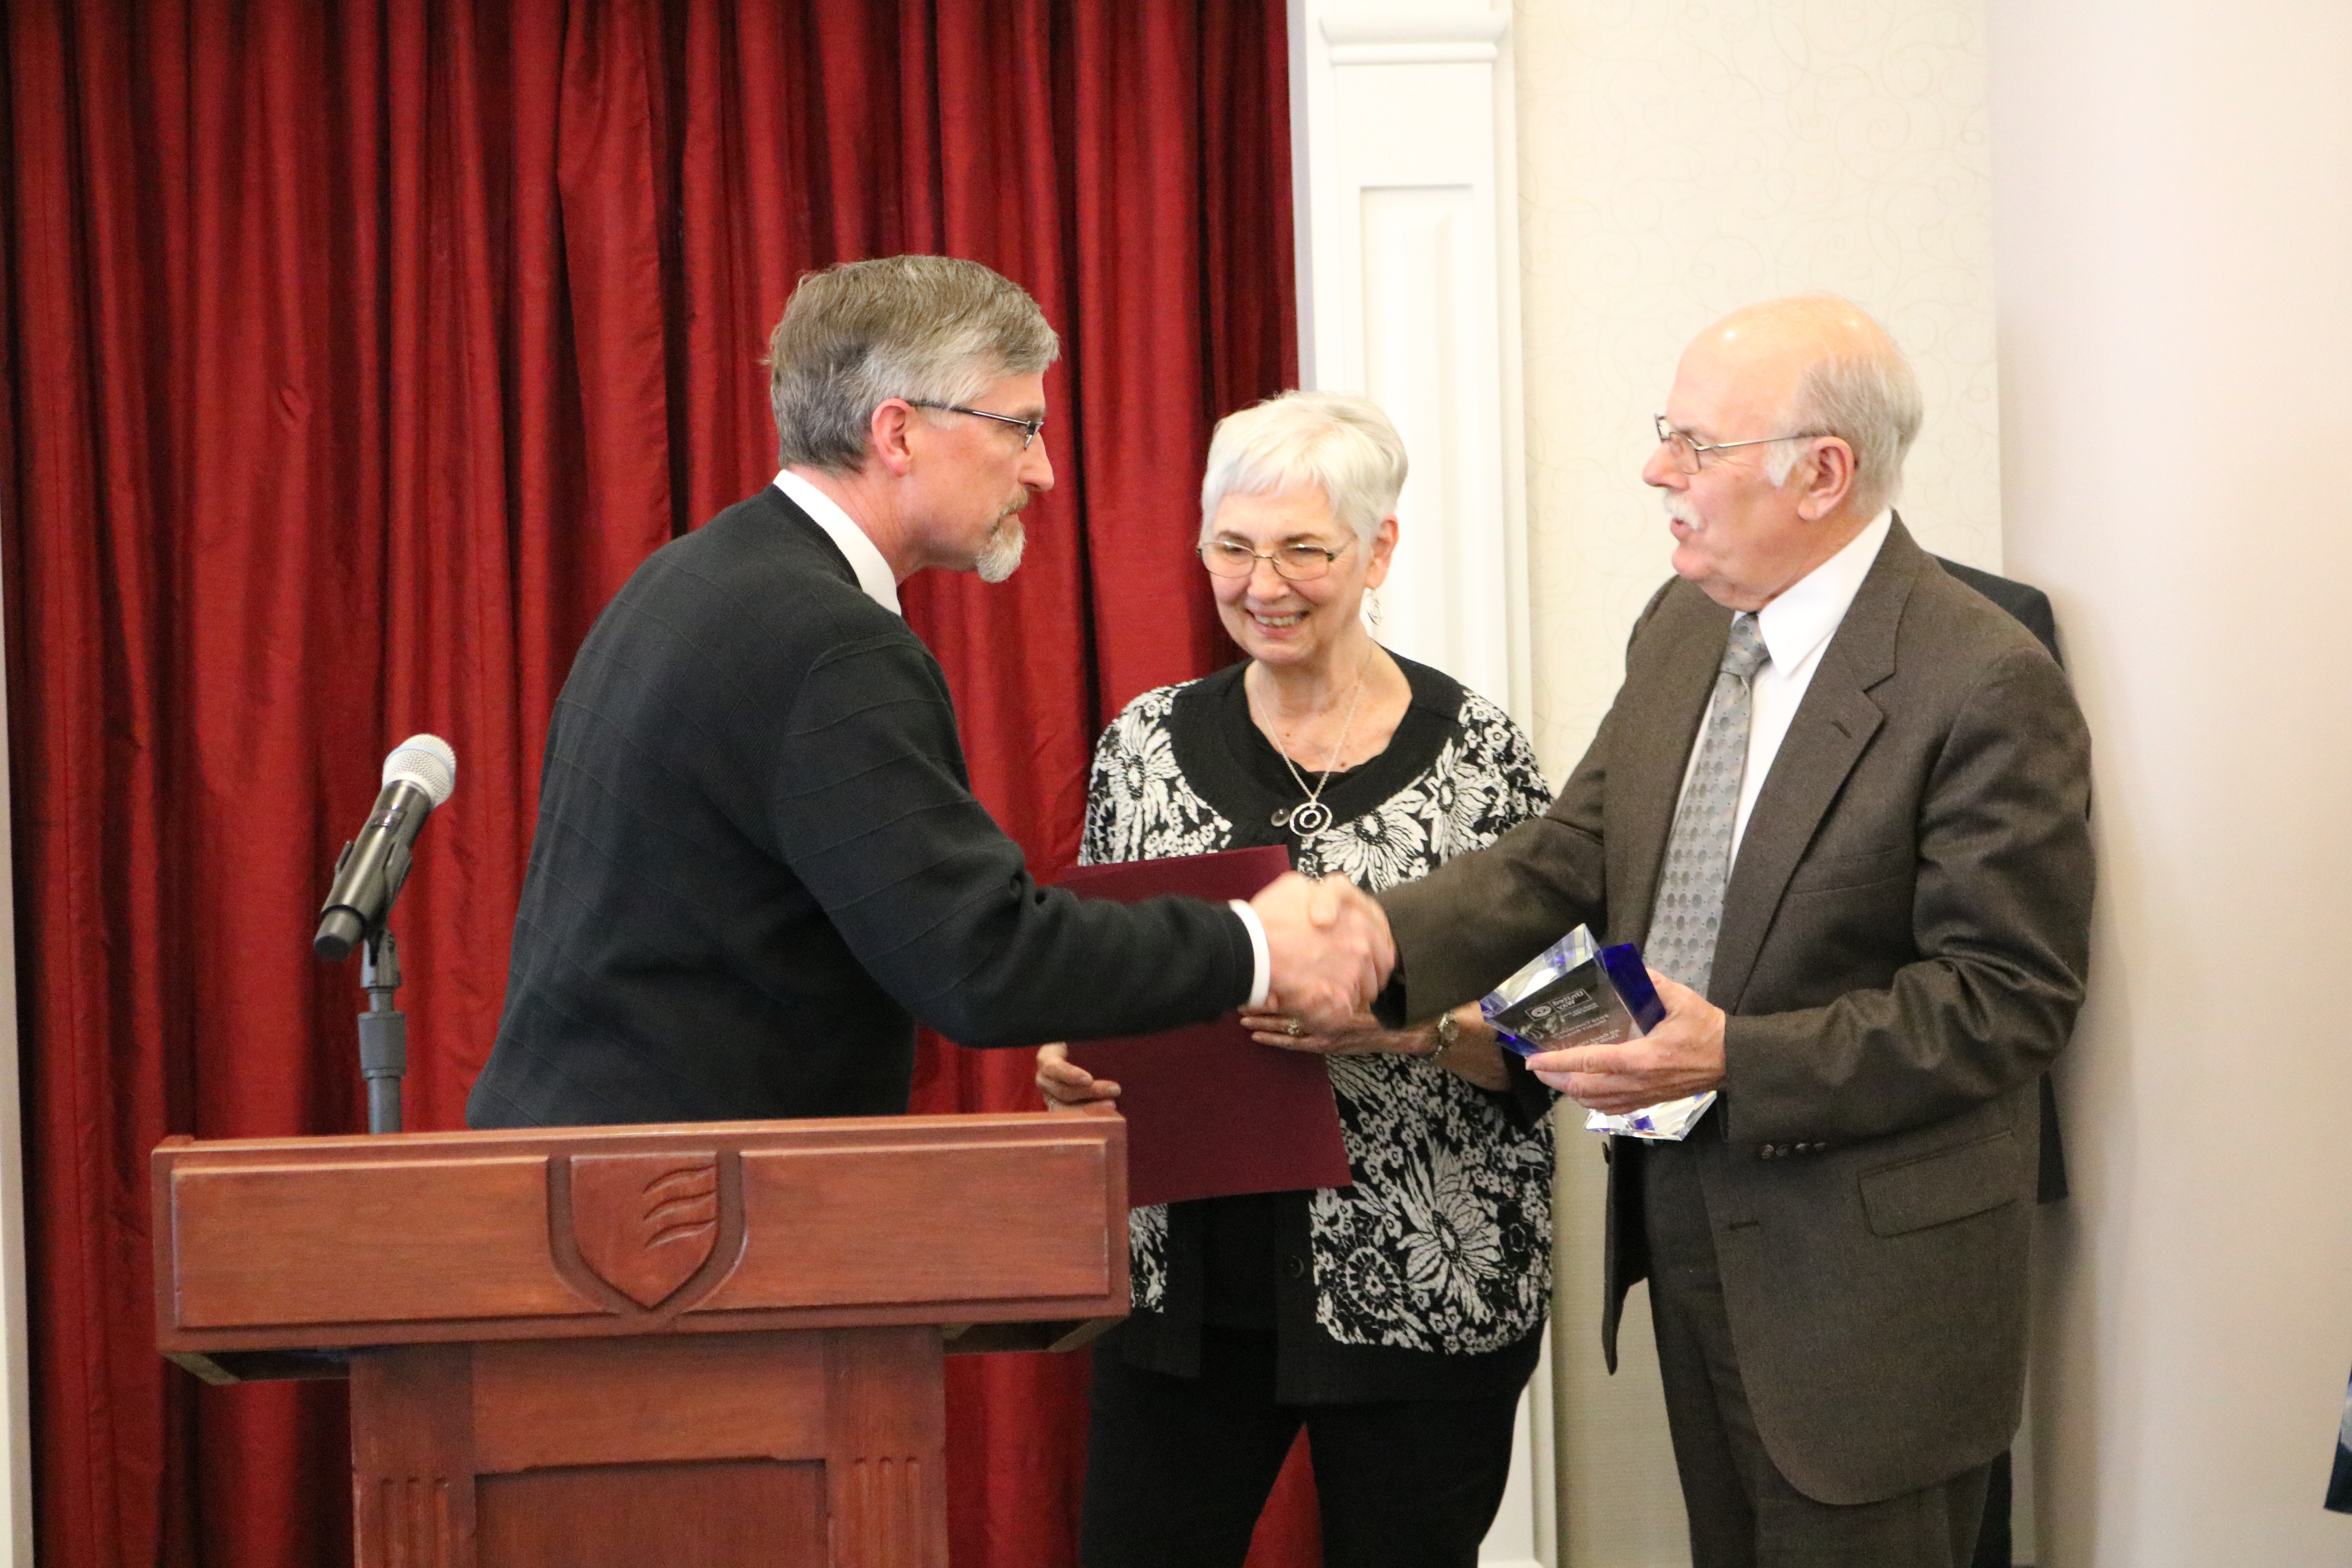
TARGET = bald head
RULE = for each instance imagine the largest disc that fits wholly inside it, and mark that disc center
(1788, 425)
(1823, 366)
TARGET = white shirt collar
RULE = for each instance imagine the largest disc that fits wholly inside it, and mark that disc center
(874, 575)
(1798, 622)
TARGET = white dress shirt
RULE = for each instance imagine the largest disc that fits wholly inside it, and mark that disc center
(880, 584)
(1795, 626)
(874, 574)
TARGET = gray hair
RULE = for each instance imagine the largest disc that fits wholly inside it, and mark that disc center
(933, 328)
(1345, 446)
(1867, 396)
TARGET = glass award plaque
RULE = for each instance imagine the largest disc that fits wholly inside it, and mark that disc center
(1577, 993)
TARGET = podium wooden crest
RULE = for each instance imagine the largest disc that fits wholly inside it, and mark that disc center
(699, 1346)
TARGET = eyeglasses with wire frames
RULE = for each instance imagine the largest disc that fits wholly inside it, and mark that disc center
(1292, 562)
(1028, 427)
(1688, 452)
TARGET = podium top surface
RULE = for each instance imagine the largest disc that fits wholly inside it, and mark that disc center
(271, 1243)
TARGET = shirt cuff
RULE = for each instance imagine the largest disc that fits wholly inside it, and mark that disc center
(1261, 958)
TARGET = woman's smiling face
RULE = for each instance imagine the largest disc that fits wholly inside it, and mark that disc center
(1276, 620)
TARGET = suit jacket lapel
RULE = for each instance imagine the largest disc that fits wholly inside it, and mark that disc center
(1834, 725)
(1663, 700)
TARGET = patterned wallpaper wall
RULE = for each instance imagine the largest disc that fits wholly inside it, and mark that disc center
(1677, 160)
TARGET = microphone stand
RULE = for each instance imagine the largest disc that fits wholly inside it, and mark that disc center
(383, 1031)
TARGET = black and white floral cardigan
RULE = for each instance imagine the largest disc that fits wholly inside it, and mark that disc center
(1437, 1261)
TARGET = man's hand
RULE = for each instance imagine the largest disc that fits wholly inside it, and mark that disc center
(1064, 1084)
(1329, 945)
(1683, 1055)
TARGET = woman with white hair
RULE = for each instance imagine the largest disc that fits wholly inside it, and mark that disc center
(1397, 1319)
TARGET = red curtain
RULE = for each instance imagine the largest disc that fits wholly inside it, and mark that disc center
(354, 353)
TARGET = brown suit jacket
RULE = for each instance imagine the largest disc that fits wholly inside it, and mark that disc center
(1903, 941)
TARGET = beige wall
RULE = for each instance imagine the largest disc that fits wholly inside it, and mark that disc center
(2175, 251)
(1675, 162)
(2174, 224)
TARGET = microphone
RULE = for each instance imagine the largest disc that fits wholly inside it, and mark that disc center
(418, 775)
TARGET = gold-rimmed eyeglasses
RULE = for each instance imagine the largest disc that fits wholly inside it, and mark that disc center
(1028, 427)
(1687, 452)
(1293, 563)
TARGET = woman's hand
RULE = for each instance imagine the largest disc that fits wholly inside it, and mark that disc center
(1359, 1036)
(1475, 1057)
(1066, 1085)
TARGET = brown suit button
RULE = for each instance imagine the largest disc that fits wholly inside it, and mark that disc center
(1294, 1266)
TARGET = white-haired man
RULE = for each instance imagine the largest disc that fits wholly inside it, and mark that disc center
(1840, 800)
(757, 860)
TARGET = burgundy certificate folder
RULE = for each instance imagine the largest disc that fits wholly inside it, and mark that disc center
(1209, 1111)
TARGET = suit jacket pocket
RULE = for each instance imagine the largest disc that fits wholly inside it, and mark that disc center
(1828, 873)
(1939, 1188)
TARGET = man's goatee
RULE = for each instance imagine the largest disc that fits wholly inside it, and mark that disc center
(1001, 556)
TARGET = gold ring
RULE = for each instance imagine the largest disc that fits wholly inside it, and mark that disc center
(1294, 1028)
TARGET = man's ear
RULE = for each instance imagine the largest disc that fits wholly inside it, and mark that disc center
(890, 433)
(1824, 479)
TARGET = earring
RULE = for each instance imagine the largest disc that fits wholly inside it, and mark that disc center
(1372, 608)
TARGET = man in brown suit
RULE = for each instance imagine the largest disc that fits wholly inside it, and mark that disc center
(1891, 778)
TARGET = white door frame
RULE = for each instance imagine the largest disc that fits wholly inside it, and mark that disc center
(16, 1371)
(1404, 167)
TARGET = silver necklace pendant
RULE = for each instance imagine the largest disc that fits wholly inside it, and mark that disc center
(1311, 816)
(1305, 819)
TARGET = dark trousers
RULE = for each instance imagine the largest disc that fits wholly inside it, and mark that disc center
(1177, 1468)
(1743, 1511)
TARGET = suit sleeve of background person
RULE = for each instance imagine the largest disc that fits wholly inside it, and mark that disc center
(759, 861)
(2032, 607)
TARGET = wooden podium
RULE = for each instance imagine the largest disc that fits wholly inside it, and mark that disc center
(696, 1346)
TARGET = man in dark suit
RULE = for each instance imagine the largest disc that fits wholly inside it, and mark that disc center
(2030, 608)
(1840, 799)
(758, 859)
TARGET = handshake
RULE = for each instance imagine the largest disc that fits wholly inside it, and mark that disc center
(1329, 947)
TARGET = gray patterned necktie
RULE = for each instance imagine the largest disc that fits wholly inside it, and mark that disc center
(1698, 854)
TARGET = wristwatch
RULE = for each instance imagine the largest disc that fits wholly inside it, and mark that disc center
(1449, 1034)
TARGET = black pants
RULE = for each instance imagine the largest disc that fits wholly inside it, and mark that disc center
(1177, 1468)
(1743, 1512)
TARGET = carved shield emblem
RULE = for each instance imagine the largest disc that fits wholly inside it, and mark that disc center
(645, 1223)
